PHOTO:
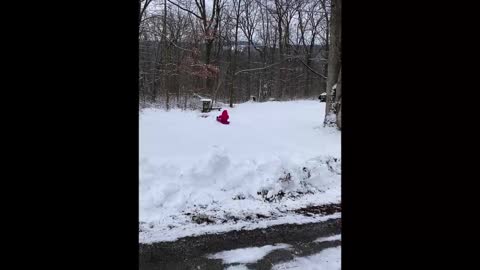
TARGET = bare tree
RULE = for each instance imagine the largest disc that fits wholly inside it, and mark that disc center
(144, 4)
(334, 63)
(248, 24)
(209, 26)
(311, 18)
(236, 14)
(230, 50)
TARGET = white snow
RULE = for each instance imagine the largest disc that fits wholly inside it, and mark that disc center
(237, 267)
(190, 164)
(332, 118)
(327, 259)
(182, 227)
(246, 255)
(329, 238)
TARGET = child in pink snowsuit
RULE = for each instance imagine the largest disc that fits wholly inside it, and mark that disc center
(223, 118)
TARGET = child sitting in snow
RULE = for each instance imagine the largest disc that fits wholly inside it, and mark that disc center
(223, 118)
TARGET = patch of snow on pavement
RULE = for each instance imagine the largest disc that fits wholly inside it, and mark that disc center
(329, 238)
(246, 255)
(327, 259)
(237, 267)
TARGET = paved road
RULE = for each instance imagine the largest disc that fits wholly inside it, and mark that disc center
(190, 252)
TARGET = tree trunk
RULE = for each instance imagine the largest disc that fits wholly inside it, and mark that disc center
(208, 81)
(334, 61)
(235, 54)
(338, 98)
(165, 54)
(249, 92)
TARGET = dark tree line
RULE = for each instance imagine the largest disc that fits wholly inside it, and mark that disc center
(230, 50)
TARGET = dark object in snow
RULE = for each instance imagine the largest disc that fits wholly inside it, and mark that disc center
(231, 217)
(286, 178)
(333, 165)
(307, 171)
(202, 218)
(326, 209)
(274, 197)
(206, 105)
(323, 97)
(239, 197)
(261, 216)
(263, 192)
(223, 118)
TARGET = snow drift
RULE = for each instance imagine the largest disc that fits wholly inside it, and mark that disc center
(273, 157)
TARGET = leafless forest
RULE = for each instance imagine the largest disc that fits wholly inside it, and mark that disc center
(234, 50)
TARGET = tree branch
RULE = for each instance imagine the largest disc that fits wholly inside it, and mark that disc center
(172, 43)
(311, 69)
(262, 68)
(184, 9)
(144, 8)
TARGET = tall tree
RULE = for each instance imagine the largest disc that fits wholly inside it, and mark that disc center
(248, 23)
(165, 53)
(334, 63)
(210, 25)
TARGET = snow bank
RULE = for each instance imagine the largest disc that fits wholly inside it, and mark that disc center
(191, 164)
(180, 226)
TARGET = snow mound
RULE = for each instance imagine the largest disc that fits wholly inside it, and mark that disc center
(272, 158)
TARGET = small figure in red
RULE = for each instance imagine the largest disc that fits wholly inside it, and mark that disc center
(223, 118)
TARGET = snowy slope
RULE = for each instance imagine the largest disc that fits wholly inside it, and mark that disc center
(193, 165)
